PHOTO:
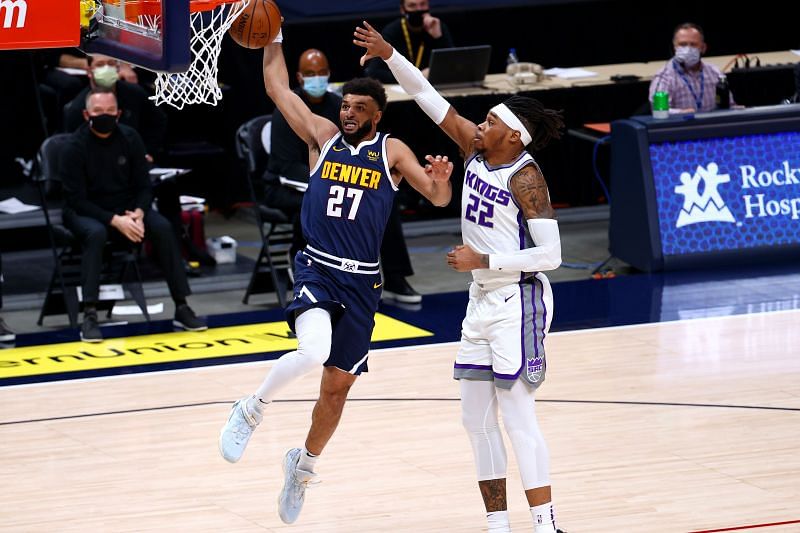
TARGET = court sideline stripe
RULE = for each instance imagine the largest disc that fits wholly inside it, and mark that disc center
(222, 402)
(753, 526)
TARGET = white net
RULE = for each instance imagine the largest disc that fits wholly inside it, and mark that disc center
(198, 85)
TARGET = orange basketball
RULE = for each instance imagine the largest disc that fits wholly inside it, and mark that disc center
(257, 25)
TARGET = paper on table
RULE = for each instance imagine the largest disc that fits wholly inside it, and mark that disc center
(570, 73)
(12, 206)
(166, 173)
(796, 52)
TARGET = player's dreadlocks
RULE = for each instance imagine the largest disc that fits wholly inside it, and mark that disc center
(543, 124)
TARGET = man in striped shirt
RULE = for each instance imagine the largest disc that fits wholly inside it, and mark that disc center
(690, 82)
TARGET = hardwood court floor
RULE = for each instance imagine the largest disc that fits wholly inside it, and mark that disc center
(670, 427)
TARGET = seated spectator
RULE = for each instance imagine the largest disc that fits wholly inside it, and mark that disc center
(141, 114)
(59, 86)
(138, 111)
(691, 83)
(108, 196)
(288, 171)
(414, 35)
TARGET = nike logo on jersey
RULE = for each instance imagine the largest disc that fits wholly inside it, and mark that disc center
(377, 285)
(507, 299)
(339, 149)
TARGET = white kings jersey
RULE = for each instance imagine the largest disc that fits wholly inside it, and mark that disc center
(491, 221)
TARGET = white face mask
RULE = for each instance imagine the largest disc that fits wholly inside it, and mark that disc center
(687, 56)
(105, 76)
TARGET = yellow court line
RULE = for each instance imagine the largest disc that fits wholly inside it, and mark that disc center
(172, 347)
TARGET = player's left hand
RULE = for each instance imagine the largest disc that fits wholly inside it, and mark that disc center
(438, 168)
(462, 258)
(374, 43)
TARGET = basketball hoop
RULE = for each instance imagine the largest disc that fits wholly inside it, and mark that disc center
(209, 20)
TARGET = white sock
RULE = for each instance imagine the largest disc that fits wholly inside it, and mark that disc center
(307, 460)
(498, 522)
(543, 518)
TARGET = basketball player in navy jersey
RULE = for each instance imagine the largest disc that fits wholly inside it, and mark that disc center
(355, 172)
(510, 237)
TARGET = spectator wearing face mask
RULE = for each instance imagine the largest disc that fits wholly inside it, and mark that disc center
(286, 178)
(108, 197)
(690, 82)
(414, 35)
(138, 111)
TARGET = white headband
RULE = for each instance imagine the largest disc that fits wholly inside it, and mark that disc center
(511, 120)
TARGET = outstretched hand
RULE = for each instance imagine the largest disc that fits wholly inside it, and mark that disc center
(374, 43)
(438, 168)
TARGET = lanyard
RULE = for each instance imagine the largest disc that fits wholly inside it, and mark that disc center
(408, 44)
(697, 101)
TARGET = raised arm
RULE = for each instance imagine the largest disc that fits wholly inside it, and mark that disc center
(313, 129)
(458, 128)
(432, 180)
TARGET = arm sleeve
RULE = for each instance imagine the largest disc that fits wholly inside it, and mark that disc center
(545, 255)
(414, 83)
(377, 69)
(73, 169)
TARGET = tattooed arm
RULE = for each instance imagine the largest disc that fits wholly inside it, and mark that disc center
(530, 192)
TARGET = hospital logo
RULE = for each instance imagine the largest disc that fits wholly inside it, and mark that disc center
(705, 206)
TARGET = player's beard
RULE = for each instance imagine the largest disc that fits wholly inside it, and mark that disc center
(353, 139)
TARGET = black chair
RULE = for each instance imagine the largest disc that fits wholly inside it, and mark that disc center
(272, 270)
(119, 258)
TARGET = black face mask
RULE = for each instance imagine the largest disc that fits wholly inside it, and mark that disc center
(103, 124)
(415, 18)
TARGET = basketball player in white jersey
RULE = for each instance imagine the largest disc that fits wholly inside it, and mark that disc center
(510, 237)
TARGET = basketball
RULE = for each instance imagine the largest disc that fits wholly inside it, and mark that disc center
(257, 25)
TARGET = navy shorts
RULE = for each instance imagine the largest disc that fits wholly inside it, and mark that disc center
(352, 300)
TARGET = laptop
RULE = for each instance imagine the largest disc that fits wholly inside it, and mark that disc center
(464, 66)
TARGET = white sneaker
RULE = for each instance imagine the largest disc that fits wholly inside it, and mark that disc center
(237, 431)
(293, 493)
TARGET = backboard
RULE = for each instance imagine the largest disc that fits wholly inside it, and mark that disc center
(153, 34)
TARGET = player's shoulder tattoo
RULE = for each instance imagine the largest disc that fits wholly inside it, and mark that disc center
(530, 191)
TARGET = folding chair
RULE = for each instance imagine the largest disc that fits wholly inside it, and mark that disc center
(118, 260)
(272, 270)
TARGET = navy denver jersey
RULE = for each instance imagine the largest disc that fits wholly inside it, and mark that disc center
(349, 197)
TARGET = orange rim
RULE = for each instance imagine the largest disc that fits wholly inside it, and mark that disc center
(152, 8)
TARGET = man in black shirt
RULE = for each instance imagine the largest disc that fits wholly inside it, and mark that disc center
(414, 34)
(137, 110)
(288, 171)
(107, 187)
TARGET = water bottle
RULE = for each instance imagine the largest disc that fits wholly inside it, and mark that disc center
(511, 60)
(723, 97)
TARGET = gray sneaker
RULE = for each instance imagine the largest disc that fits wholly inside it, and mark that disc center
(237, 431)
(90, 329)
(293, 493)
